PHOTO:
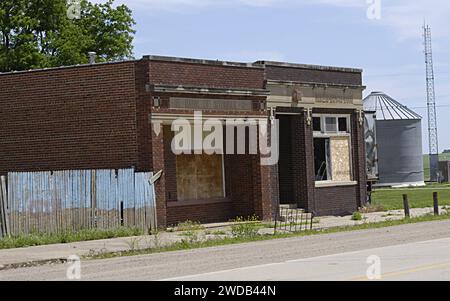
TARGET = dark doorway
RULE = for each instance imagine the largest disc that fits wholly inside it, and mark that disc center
(285, 166)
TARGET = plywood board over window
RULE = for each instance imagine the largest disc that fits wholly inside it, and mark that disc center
(340, 158)
(199, 177)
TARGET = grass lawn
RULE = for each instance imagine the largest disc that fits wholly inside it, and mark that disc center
(392, 199)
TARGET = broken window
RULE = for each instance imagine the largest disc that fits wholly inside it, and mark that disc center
(322, 159)
(317, 124)
(199, 177)
(343, 125)
(332, 148)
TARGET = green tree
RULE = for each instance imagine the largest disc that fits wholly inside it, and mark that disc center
(38, 33)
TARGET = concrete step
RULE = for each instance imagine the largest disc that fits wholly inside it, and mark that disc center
(288, 206)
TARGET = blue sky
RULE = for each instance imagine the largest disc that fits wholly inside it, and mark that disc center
(324, 32)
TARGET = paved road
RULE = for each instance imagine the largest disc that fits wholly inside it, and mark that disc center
(416, 251)
(428, 260)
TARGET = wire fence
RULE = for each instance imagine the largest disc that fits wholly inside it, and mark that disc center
(293, 220)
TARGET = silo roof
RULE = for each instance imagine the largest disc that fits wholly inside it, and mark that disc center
(387, 108)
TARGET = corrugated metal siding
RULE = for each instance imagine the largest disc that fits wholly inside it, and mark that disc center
(46, 202)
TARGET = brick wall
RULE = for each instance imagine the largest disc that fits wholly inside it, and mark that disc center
(68, 118)
(336, 200)
(143, 108)
(205, 213)
(239, 184)
(313, 76)
(203, 75)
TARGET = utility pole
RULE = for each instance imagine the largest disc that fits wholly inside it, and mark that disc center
(431, 104)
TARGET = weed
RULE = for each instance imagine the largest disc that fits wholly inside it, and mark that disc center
(245, 227)
(133, 243)
(190, 226)
(357, 216)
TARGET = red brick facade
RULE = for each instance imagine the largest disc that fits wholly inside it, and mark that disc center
(68, 118)
(100, 116)
(297, 176)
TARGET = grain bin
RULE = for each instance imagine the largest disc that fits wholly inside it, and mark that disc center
(399, 141)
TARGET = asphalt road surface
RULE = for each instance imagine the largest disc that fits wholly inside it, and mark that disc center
(408, 252)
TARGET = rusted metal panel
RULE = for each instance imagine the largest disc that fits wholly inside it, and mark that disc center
(55, 202)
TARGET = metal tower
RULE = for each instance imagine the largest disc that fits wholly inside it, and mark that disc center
(431, 101)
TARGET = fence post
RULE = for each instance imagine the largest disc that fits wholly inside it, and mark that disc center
(436, 203)
(5, 205)
(2, 216)
(406, 205)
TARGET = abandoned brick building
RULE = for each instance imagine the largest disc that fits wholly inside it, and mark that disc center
(119, 115)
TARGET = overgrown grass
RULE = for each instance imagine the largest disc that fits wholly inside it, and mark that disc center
(184, 245)
(190, 226)
(392, 199)
(38, 239)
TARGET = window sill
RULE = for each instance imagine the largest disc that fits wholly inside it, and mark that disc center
(323, 184)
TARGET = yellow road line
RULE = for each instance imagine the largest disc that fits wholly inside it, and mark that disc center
(405, 272)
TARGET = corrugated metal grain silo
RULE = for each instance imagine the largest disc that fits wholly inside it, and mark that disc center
(399, 141)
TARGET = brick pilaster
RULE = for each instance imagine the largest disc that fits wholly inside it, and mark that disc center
(359, 156)
(158, 164)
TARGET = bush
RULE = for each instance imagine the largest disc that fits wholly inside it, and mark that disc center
(357, 216)
(245, 227)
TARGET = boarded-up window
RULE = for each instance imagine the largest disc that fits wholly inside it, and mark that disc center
(340, 158)
(332, 148)
(199, 177)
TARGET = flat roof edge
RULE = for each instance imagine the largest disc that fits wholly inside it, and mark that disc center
(201, 61)
(293, 83)
(310, 67)
(67, 67)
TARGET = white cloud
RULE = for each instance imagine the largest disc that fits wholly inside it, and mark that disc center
(403, 16)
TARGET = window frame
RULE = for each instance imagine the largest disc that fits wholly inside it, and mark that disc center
(324, 134)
